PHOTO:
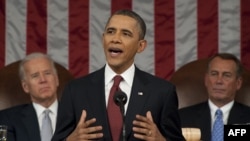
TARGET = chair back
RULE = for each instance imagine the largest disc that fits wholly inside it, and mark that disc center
(189, 81)
(11, 91)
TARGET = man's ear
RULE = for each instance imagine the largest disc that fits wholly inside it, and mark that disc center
(239, 82)
(25, 86)
(142, 46)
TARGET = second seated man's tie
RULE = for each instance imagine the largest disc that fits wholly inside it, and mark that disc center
(218, 127)
(46, 131)
(114, 113)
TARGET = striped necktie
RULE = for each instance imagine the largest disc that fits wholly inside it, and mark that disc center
(218, 127)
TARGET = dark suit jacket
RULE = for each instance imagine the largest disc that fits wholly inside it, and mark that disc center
(199, 116)
(159, 97)
(22, 123)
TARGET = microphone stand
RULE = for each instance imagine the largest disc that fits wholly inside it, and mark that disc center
(123, 123)
(120, 99)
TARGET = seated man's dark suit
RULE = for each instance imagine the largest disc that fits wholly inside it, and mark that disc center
(199, 116)
(22, 123)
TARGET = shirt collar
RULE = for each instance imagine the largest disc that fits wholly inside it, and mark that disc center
(39, 108)
(225, 109)
(127, 75)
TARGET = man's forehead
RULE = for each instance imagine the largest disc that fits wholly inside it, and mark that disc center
(122, 19)
(123, 22)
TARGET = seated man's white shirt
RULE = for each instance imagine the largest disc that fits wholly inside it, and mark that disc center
(53, 114)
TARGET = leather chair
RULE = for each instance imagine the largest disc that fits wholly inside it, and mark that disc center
(11, 91)
(189, 81)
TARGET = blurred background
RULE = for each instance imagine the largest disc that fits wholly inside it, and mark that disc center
(178, 31)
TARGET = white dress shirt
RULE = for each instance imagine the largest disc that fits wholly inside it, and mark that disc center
(125, 85)
(225, 110)
(53, 114)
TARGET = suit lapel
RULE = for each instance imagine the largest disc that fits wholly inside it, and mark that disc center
(234, 114)
(97, 102)
(204, 121)
(238, 115)
(137, 100)
(30, 121)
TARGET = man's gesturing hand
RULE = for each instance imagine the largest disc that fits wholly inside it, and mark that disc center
(145, 128)
(84, 131)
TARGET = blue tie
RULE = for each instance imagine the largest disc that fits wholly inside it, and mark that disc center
(218, 128)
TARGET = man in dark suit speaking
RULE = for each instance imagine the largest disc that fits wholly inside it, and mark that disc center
(151, 112)
(222, 79)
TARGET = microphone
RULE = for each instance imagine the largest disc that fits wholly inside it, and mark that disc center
(120, 99)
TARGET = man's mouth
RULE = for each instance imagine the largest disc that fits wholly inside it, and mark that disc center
(44, 89)
(218, 90)
(115, 50)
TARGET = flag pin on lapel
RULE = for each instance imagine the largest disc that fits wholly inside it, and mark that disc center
(140, 93)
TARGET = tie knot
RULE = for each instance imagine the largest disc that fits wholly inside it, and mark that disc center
(218, 113)
(46, 112)
(117, 80)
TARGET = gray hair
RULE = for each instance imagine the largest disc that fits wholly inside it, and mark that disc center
(228, 56)
(33, 56)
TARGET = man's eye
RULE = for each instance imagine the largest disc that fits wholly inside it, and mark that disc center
(34, 75)
(213, 74)
(126, 34)
(48, 73)
(109, 31)
(228, 75)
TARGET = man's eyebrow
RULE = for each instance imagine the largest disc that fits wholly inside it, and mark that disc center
(110, 28)
(227, 72)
